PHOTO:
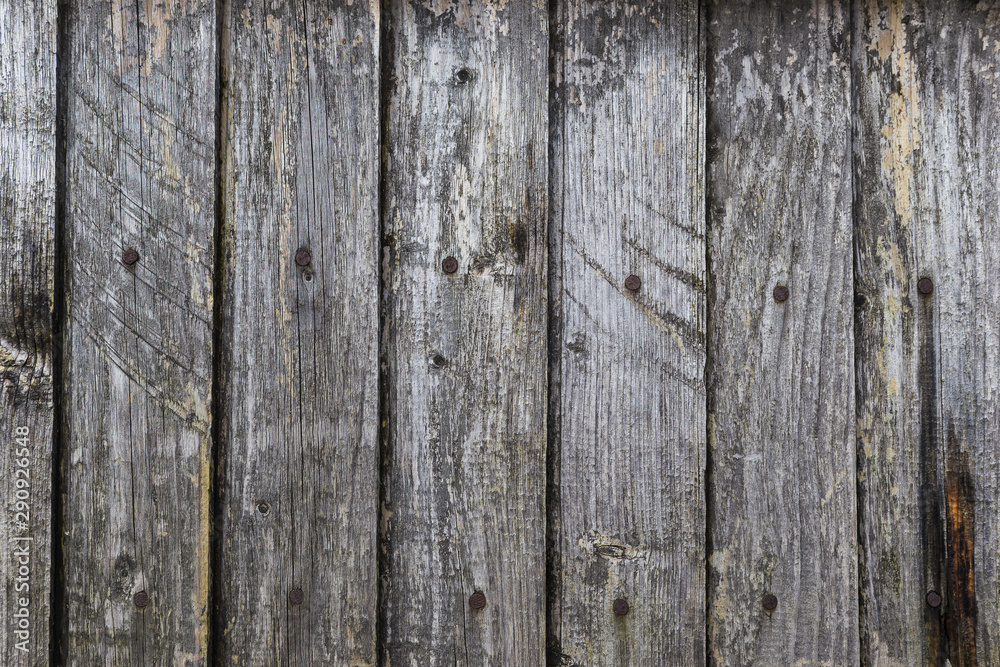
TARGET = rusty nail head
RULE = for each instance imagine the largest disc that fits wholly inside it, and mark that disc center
(130, 256)
(780, 293)
(934, 599)
(296, 596)
(770, 602)
(303, 257)
(140, 599)
(620, 606)
(477, 600)
(450, 265)
(925, 286)
(633, 283)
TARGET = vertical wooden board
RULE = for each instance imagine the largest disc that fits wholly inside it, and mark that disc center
(299, 401)
(27, 238)
(782, 489)
(631, 191)
(140, 173)
(464, 477)
(928, 364)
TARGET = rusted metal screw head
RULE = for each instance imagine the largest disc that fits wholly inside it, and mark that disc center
(303, 257)
(263, 508)
(477, 600)
(296, 596)
(449, 265)
(925, 286)
(780, 293)
(770, 602)
(633, 283)
(620, 606)
(934, 599)
(130, 256)
(140, 599)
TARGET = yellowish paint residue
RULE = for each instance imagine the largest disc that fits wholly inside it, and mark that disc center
(901, 131)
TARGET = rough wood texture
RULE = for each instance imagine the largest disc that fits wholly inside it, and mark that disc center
(27, 235)
(781, 412)
(140, 173)
(631, 193)
(928, 364)
(299, 406)
(464, 482)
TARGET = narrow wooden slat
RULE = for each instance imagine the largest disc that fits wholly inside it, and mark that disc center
(140, 174)
(782, 492)
(27, 238)
(928, 364)
(299, 405)
(464, 477)
(631, 191)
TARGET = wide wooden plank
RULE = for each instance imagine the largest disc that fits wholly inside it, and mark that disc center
(464, 463)
(781, 388)
(299, 403)
(632, 450)
(928, 359)
(27, 248)
(140, 175)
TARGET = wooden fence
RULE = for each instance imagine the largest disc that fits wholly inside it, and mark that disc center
(500, 332)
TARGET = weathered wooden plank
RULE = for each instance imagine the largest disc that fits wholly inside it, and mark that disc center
(928, 364)
(464, 477)
(633, 430)
(781, 388)
(140, 170)
(27, 248)
(299, 405)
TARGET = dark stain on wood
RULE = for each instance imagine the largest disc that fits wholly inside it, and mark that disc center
(961, 566)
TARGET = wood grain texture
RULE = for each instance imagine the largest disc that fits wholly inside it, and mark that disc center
(464, 478)
(140, 173)
(928, 365)
(633, 430)
(299, 405)
(781, 390)
(27, 248)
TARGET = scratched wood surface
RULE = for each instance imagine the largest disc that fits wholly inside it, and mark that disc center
(27, 260)
(464, 459)
(781, 390)
(140, 174)
(631, 197)
(299, 403)
(928, 363)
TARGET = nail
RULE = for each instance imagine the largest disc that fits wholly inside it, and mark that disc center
(449, 265)
(770, 602)
(934, 599)
(620, 606)
(303, 257)
(925, 286)
(477, 600)
(463, 76)
(140, 599)
(130, 256)
(263, 508)
(633, 283)
(296, 596)
(780, 294)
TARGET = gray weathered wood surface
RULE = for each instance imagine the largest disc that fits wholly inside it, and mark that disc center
(464, 458)
(140, 173)
(299, 401)
(389, 438)
(781, 389)
(928, 364)
(27, 259)
(631, 198)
